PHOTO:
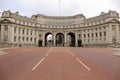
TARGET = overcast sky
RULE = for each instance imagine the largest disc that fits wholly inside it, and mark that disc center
(89, 8)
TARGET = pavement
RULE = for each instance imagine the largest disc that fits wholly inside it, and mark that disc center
(2, 52)
(117, 53)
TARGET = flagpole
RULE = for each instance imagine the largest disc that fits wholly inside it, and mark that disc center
(59, 8)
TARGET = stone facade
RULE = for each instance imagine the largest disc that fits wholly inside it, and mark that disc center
(102, 30)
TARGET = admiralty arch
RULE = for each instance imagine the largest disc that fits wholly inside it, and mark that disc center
(102, 30)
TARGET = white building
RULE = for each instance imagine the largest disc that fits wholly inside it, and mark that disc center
(102, 30)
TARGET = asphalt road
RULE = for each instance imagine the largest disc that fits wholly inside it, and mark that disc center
(59, 63)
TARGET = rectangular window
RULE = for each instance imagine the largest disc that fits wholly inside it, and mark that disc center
(79, 35)
(31, 32)
(113, 27)
(84, 35)
(104, 33)
(88, 40)
(40, 36)
(100, 34)
(92, 34)
(5, 38)
(19, 38)
(88, 35)
(23, 39)
(15, 30)
(14, 38)
(34, 40)
(27, 31)
(31, 39)
(96, 34)
(23, 31)
(27, 39)
(19, 30)
(6, 27)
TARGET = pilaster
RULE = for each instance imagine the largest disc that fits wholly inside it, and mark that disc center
(65, 44)
(76, 38)
(43, 38)
(109, 34)
(54, 40)
(2, 33)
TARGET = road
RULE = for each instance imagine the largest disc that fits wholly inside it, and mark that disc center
(59, 63)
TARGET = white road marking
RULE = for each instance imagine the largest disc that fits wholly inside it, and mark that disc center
(83, 64)
(78, 60)
(70, 52)
(38, 64)
(48, 52)
(42, 59)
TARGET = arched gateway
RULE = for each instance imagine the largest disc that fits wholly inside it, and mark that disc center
(49, 39)
(71, 39)
(59, 39)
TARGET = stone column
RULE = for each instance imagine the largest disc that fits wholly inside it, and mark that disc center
(94, 37)
(117, 33)
(21, 36)
(102, 40)
(65, 34)
(37, 37)
(2, 33)
(109, 34)
(87, 37)
(82, 37)
(54, 39)
(76, 38)
(17, 35)
(25, 35)
(33, 34)
(43, 38)
(98, 40)
(10, 34)
(90, 36)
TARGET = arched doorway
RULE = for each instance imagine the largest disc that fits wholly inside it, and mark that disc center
(71, 39)
(40, 43)
(59, 39)
(48, 39)
(80, 43)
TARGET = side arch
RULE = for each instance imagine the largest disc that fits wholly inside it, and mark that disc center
(71, 39)
(48, 41)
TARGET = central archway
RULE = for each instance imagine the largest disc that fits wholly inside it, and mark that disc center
(71, 39)
(59, 39)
